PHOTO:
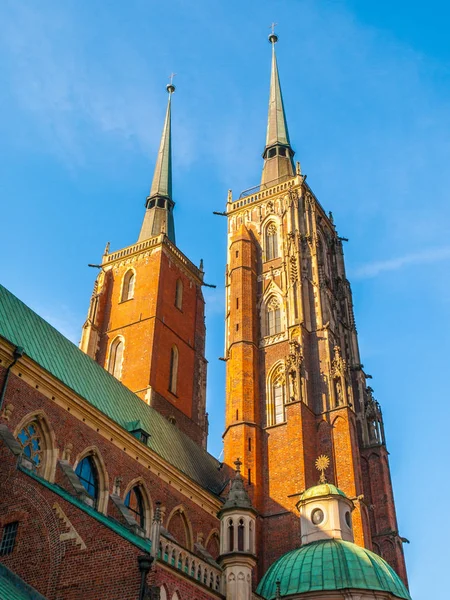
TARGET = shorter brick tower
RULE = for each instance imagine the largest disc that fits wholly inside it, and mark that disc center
(145, 323)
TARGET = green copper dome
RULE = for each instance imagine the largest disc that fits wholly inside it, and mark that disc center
(322, 489)
(330, 565)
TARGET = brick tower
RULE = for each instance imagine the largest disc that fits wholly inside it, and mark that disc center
(146, 317)
(295, 383)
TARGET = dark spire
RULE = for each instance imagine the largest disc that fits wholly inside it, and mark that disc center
(158, 217)
(278, 152)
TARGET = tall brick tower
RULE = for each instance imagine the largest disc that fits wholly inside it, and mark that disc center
(296, 387)
(146, 317)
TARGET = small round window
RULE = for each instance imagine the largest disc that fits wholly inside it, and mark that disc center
(348, 519)
(317, 516)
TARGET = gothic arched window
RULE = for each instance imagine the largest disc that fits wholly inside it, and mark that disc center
(32, 443)
(273, 317)
(134, 501)
(173, 370)
(230, 536)
(116, 357)
(128, 285)
(241, 535)
(179, 294)
(278, 401)
(271, 241)
(277, 396)
(87, 474)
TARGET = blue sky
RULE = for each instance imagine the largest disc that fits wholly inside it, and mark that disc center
(366, 89)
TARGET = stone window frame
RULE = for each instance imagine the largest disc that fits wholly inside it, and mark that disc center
(126, 293)
(138, 482)
(276, 378)
(114, 368)
(271, 247)
(49, 450)
(102, 475)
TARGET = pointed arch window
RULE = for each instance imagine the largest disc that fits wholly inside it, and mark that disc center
(134, 501)
(173, 376)
(277, 396)
(271, 242)
(32, 443)
(273, 317)
(278, 402)
(129, 280)
(179, 294)
(230, 536)
(116, 357)
(241, 535)
(88, 476)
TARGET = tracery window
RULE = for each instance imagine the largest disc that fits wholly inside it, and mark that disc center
(271, 242)
(173, 370)
(31, 439)
(277, 396)
(128, 285)
(179, 294)
(135, 504)
(116, 357)
(87, 474)
(278, 400)
(273, 317)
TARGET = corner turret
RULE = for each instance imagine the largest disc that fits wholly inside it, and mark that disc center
(237, 540)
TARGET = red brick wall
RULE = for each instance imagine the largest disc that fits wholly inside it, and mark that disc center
(107, 568)
(68, 429)
(150, 325)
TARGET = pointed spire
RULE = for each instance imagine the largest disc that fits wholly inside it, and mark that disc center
(158, 217)
(278, 153)
(162, 178)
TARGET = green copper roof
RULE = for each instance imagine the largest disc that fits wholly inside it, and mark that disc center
(12, 587)
(322, 489)
(57, 355)
(330, 565)
(277, 129)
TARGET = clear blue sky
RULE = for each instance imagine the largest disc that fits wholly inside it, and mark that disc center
(366, 89)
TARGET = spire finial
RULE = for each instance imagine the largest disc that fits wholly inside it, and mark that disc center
(278, 153)
(238, 464)
(158, 217)
(170, 87)
(273, 38)
(322, 464)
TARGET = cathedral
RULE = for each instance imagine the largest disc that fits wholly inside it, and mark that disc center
(107, 491)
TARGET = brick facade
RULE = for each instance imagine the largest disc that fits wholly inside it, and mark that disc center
(308, 357)
(150, 325)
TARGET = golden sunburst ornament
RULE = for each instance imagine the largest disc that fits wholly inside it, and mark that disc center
(322, 464)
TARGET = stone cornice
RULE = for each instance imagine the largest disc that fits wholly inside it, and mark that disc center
(161, 242)
(265, 194)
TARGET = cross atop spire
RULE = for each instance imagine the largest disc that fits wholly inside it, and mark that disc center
(158, 217)
(278, 152)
